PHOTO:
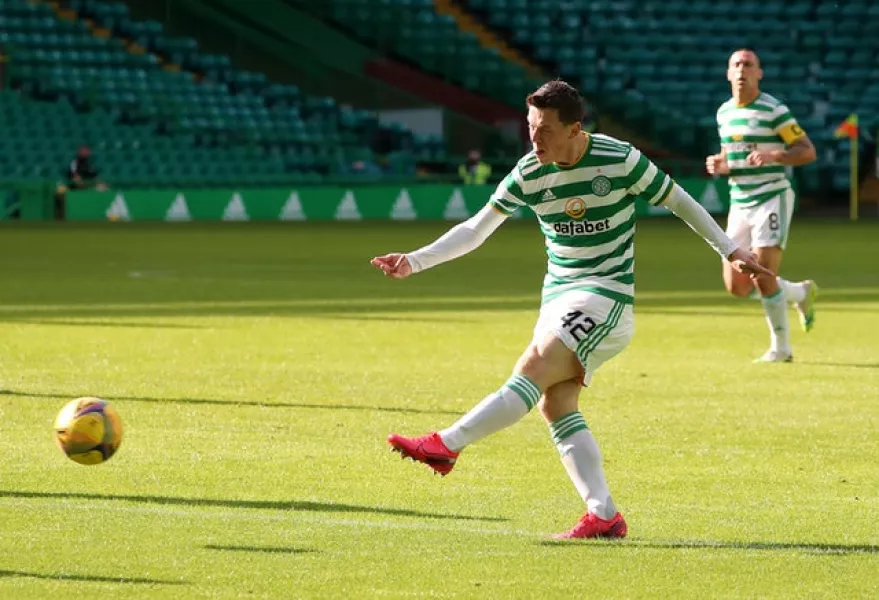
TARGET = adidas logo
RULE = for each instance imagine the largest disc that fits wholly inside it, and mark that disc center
(548, 195)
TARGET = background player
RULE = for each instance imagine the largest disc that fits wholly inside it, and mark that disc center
(759, 138)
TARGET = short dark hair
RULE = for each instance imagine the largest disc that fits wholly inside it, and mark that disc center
(561, 96)
(746, 49)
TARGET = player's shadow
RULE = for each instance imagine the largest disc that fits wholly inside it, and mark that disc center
(91, 578)
(840, 364)
(812, 548)
(92, 324)
(230, 403)
(672, 312)
(264, 549)
(285, 505)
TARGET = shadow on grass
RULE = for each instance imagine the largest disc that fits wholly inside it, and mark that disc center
(396, 318)
(812, 548)
(839, 364)
(266, 549)
(291, 505)
(231, 403)
(93, 578)
(97, 324)
(410, 305)
(649, 310)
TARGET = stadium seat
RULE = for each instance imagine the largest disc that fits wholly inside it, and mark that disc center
(202, 107)
(811, 53)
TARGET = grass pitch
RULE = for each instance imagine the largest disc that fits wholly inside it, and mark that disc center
(258, 369)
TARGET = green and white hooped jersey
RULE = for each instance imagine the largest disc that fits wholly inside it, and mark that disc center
(764, 124)
(587, 213)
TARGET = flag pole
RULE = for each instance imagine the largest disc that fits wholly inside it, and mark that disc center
(853, 183)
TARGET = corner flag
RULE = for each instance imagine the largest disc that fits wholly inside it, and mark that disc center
(849, 129)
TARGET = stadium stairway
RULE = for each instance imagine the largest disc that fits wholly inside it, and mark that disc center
(487, 38)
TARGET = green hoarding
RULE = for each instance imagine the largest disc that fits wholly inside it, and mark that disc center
(419, 202)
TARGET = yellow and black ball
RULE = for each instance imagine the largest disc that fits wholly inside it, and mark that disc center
(88, 430)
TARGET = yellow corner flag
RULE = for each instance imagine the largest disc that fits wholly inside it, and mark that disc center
(849, 129)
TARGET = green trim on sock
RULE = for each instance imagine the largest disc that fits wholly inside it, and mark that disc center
(529, 402)
(526, 389)
(527, 383)
(778, 292)
(567, 426)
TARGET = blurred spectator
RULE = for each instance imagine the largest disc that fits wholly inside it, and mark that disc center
(81, 175)
(383, 141)
(475, 171)
(363, 169)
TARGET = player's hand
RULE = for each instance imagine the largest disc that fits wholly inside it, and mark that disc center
(395, 266)
(744, 261)
(758, 158)
(716, 164)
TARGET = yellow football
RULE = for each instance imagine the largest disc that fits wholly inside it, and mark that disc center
(88, 430)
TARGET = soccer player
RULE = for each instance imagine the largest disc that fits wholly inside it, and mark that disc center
(582, 188)
(759, 137)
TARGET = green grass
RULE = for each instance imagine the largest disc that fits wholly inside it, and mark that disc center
(258, 370)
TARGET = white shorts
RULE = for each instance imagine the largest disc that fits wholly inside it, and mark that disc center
(594, 327)
(762, 226)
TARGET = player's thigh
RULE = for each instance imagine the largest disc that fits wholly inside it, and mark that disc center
(548, 361)
(770, 221)
(593, 327)
(560, 400)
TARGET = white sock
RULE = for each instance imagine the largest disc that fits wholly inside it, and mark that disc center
(776, 318)
(582, 460)
(793, 292)
(497, 411)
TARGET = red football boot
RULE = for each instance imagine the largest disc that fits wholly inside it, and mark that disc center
(428, 449)
(590, 526)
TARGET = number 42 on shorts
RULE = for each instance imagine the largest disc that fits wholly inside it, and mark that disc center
(578, 324)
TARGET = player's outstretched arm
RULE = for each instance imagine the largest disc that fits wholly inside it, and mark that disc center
(459, 240)
(691, 212)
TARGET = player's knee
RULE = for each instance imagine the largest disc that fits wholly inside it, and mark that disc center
(560, 399)
(532, 364)
(767, 285)
(540, 365)
(737, 284)
(548, 363)
(739, 289)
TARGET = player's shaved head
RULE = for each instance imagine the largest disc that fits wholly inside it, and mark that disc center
(744, 54)
(744, 74)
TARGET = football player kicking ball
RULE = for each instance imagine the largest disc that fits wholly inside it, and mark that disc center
(582, 188)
